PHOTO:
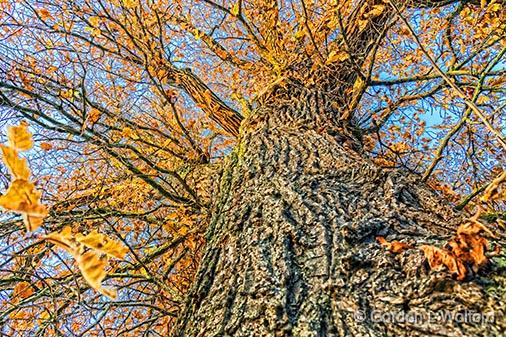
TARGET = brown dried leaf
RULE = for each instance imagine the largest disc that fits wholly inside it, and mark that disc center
(438, 258)
(473, 227)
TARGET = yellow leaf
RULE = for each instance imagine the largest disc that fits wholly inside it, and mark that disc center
(19, 137)
(94, 21)
(94, 115)
(362, 24)
(235, 9)
(102, 243)
(65, 240)
(375, 11)
(483, 3)
(92, 267)
(69, 93)
(299, 34)
(22, 197)
(129, 3)
(337, 57)
(32, 222)
(18, 167)
(495, 8)
(43, 316)
(198, 34)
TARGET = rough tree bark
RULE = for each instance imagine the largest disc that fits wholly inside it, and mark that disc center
(291, 247)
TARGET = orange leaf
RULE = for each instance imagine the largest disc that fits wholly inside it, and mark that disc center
(92, 267)
(32, 222)
(44, 14)
(438, 258)
(473, 227)
(94, 115)
(22, 290)
(394, 246)
(103, 244)
(18, 167)
(46, 146)
(22, 197)
(65, 240)
(19, 137)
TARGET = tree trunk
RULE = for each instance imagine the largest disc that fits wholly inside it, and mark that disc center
(291, 247)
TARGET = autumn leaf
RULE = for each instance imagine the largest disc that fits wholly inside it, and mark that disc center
(64, 240)
(127, 132)
(299, 34)
(102, 243)
(129, 3)
(393, 246)
(67, 93)
(32, 222)
(91, 264)
(22, 290)
(198, 34)
(94, 21)
(492, 189)
(22, 197)
(235, 9)
(19, 137)
(466, 248)
(439, 258)
(362, 24)
(375, 11)
(337, 57)
(18, 167)
(46, 146)
(472, 228)
(94, 115)
(44, 14)
(92, 268)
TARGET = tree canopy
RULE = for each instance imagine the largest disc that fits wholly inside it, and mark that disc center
(134, 105)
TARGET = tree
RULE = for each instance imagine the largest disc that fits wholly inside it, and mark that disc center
(270, 168)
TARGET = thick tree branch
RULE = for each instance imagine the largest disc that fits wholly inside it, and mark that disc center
(214, 107)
